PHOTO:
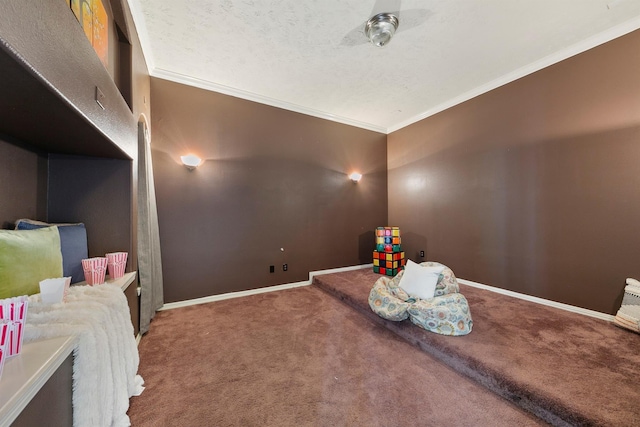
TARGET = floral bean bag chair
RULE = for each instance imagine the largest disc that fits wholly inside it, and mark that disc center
(428, 294)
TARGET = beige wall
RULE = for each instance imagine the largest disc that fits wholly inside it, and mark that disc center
(532, 187)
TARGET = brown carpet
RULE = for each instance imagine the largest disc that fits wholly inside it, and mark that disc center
(299, 358)
(564, 367)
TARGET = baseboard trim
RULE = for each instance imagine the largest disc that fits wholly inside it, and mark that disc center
(240, 294)
(555, 304)
(312, 274)
(230, 295)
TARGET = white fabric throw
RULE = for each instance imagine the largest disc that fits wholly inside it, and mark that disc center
(106, 356)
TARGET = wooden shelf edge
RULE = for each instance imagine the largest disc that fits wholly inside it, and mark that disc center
(25, 374)
(123, 282)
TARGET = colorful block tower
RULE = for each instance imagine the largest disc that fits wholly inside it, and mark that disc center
(388, 257)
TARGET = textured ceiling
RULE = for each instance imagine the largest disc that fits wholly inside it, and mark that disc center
(311, 56)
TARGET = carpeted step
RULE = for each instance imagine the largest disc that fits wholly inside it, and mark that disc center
(566, 368)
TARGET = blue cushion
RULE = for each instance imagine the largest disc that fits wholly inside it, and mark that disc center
(73, 243)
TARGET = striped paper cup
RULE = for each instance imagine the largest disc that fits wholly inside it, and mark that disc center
(4, 340)
(116, 261)
(16, 335)
(94, 270)
(13, 312)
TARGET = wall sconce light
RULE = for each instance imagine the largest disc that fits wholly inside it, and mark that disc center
(191, 161)
(355, 177)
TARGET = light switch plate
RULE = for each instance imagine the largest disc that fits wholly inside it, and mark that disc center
(100, 97)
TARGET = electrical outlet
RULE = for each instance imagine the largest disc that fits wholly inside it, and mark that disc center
(421, 254)
(272, 269)
(285, 267)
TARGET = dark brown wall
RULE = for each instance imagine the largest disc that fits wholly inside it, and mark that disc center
(23, 183)
(273, 179)
(90, 190)
(534, 186)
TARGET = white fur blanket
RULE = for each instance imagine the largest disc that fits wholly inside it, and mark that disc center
(106, 356)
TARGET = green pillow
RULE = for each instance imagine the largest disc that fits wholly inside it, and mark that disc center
(26, 258)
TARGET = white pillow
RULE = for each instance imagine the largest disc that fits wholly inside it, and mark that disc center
(418, 281)
(434, 269)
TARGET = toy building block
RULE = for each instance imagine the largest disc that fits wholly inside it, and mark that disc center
(388, 263)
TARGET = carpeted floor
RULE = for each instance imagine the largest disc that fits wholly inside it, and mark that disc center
(300, 358)
(565, 367)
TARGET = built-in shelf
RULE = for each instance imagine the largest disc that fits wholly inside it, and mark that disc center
(123, 282)
(25, 374)
(48, 85)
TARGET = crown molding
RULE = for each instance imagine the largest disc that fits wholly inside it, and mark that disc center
(582, 46)
(254, 97)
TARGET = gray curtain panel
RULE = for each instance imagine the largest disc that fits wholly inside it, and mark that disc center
(149, 260)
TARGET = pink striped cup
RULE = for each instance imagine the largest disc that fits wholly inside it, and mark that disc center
(4, 335)
(116, 261)
(94, 270)
(15, 338)
(13, 312)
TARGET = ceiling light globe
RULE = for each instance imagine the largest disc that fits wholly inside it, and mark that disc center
(381, 33)
(381, 28)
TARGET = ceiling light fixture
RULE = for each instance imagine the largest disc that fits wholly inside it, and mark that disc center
(380, 28)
